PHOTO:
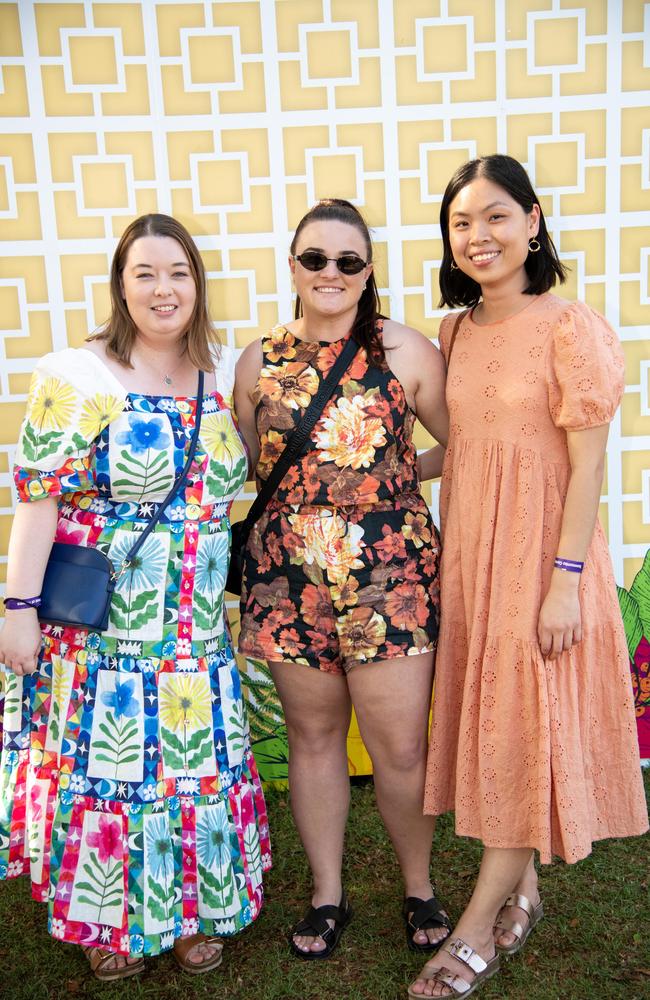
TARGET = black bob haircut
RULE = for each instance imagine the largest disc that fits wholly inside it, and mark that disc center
(543, 268)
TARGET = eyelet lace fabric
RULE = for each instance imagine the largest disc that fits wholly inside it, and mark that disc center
(529, 753)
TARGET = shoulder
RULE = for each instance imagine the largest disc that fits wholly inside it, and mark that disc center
(576, 322)
(224, 359)
(82, 369)
(398, 336)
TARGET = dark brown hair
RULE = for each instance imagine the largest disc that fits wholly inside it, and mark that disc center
(364, 330)
(120, 332)
(543, 268)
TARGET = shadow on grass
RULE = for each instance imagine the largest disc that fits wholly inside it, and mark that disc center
(594, 942)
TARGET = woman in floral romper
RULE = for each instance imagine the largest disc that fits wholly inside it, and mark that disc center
(341, 575)
(128, 791)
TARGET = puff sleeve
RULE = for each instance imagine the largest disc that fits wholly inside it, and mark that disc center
(224, 367)
(586, 378)
(72, 397)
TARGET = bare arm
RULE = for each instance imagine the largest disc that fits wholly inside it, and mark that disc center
(430, 463)
(32, 535)
(430, 403)
(246, 374)
(559, 624)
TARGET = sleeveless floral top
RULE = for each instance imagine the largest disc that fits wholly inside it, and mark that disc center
(361, 450)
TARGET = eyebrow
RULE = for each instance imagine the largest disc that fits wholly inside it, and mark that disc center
(487, 208)
(181, 263)
(354, 253)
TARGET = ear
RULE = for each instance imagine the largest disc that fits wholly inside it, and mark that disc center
(533, 221)
(369, 269)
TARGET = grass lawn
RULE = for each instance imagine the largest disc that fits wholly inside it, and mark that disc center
(593, 945)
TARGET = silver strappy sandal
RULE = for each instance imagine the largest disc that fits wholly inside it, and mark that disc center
(460, 987)
(521, 931)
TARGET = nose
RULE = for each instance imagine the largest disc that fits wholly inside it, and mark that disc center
(162, 287)
(479, 231)
(330, 270)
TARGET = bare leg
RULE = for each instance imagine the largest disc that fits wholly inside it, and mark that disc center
(391, 699)
(501, 870)
(317, 713)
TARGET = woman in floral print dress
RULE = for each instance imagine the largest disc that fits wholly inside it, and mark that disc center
(128, 790)
(341, 575)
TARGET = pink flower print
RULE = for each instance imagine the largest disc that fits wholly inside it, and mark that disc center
(107, 840)
(37, 810)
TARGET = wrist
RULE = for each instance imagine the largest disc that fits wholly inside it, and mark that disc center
(567, 581)
(22, 603)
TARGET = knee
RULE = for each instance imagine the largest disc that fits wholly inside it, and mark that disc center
(316, 737)
(404, 755)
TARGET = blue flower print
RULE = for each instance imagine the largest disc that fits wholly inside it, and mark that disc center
(144, 434)
(159, 848)
(121, 700)
(213, 838)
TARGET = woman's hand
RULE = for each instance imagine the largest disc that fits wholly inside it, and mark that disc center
(20, 641)
(559, 626)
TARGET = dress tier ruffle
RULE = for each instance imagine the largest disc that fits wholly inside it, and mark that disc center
(528, 752)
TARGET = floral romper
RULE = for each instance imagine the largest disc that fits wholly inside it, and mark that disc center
(342, 567)
(128, 790)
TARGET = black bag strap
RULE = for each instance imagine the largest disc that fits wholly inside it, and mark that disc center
(179, 482)
(298, 437)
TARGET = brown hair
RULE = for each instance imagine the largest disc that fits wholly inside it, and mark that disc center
(364, 330)
(119, 332)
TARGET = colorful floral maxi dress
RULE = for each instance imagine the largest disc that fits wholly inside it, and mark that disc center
(529, 752)
(342, 567)
(128, 788)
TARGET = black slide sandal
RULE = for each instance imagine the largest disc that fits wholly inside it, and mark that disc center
(314, 924)
(424, 914)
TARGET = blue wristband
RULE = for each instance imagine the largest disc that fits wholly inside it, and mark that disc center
(570, 565)
(20, 603)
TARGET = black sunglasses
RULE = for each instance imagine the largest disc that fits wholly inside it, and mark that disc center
(347, 263)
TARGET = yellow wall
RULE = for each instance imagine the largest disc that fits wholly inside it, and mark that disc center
(235, 115)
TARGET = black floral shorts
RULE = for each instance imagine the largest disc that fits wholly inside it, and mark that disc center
(330, 587)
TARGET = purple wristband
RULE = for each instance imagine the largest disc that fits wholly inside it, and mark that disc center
(570, 565)
(19, 603)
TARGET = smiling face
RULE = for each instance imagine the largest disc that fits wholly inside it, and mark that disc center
(489, 233)
(330, 293)
(158, 287)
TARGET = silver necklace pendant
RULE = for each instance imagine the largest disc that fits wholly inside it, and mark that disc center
(168, 380)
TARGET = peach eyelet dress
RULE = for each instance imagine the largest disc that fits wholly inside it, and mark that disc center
(528, 752)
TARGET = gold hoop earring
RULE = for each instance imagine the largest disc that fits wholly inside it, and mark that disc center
(534, 245)
(454, 265)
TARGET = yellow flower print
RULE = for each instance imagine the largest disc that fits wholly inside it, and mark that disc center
(52, 406)
(220, 439)
(416, 529)
(281, 344)
(294, 383)
(362, 632)
(348, 437)
(330, 543)
(271, 447)
(97, 413)
(183, 704)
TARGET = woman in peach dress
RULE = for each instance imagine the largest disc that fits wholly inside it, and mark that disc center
(533, 741)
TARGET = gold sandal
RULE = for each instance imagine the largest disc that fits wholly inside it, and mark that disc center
(183, 946)
(520, 931)
(99, 958)
(445, 977)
